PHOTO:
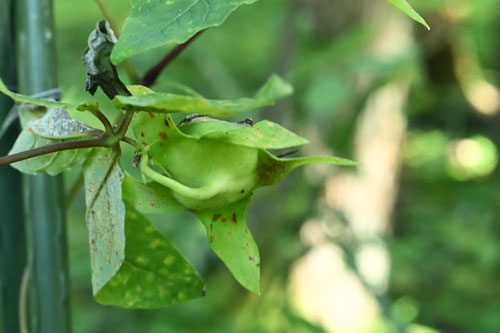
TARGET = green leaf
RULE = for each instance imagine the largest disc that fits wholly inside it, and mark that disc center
(149, 198)
(405, 7)
(53, 163)
(271, 169)
(105, 215)
(154, 274)
(154, 23)
(274, 89)
(19, 98)
(231, 240)
(265, 134)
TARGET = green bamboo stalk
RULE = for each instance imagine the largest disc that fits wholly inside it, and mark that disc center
(12, 235)
(44, 201)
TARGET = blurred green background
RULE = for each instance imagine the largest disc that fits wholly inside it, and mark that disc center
(408, 242)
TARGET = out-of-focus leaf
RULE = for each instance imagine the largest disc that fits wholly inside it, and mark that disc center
(405, 7)
(153, 23)
(153, 274)
(105, 215)
(231, 240)
(274, 89)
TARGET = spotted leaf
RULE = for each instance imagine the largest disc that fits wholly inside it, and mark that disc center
(105, 215)
(153, 274)
(233, 243)
(275, 88)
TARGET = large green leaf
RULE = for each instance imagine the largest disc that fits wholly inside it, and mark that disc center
(231, 240)
(154, 274)
(105, 215)
(274, 89)
(153, 23)
(405, 7)
(211, 167)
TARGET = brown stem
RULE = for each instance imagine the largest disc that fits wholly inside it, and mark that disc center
(102, 141)
(102, 118)
(150, 78)
(67, 145)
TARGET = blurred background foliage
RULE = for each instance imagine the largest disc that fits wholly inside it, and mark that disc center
(408, 242)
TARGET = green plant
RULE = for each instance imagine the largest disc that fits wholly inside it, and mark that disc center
(204, 165)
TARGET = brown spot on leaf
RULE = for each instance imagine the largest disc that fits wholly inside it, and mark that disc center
(223, 220)
(216, 217)
(212, 238)
(251, 258)
(152, 204)
(166, 122)
(234, 219)
(162, 135)
(151, 115)
(142, 133)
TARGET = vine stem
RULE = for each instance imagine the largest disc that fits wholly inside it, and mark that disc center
(150, 77)
(103, 119)
(102, 141)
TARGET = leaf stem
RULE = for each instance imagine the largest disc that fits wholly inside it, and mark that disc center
(102, 118)
(102, 141)
(108, 141)
(125, 123)
(132, 142)
(150, 77)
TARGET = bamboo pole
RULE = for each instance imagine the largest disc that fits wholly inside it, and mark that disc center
(47, 250)
(12, 239)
